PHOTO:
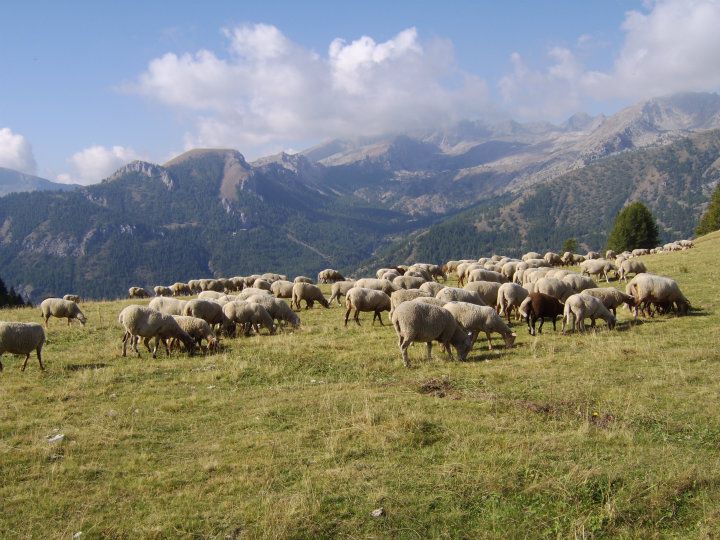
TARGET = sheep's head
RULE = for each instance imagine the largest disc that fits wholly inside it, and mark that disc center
(81, 317)
(510, 340)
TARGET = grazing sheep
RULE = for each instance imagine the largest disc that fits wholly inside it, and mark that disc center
(592, 255)
(481, 274)
(378, 284)
(487, 290)
(140, 321)
(640, 251)
(648, 289)
(263, 284)
(554, 287)
(210, 311)
(418, 271)
(509, 297)
(381, 271)
(308, 292)
(272, 276)
(161, 290)
(390, 275)
(238, 283)
(631, 266)
(361, 299)
(180, 289)
(610, 255)
(137, 292)
(453, 294)
(301, 279)
(540, 306)
(578, 283)
(531, 275)
(430, 300)
(417, 321)
(210, 295)
(249, 315)
(329, 276)
(432, 287)
(283, 288)
(278, 309)
(405, 295)
(508, 269)
(62, 309)
(531, 255)
(72, 298)
(597, 267)
(252, 291)
(611, 298)
(22, 338)
(582, 306)
(340, 288)
(553, 259)
(476, 319)
(168, 306)
(198, 329)
(436, 272)
(408, 282)
(249, 280)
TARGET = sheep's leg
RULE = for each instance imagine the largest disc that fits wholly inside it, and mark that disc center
(124, 342)
(487, 335)
(27, 357)
(147, 344)
(357, 316)
(46, 321)
(379, 316)
(404, 345)
(542, 321)
(164, 342)
(592, 322)
(68, 321)
(347, 314)
(448, 350)
(429, 350)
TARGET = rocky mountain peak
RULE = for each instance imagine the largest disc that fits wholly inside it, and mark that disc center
(151, 170)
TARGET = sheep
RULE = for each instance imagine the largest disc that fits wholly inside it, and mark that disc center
(137, 292)
(592, 255)
(180, 289)
(308, 292)
(540, 306)
(361, 299)
(140, 321)
(252, 291)
(631, 266)
(436, 272)
(210, 295)
(487, 290)
(22, 338)
(509, 296)
(161, 290)
(432, 287)
(610, 255)
(419, 271)
(531, 275)
(476, 319)
(578, 283)
(168, 306)
(508, 269)
(408, 282)
(238, 283)
(581, 306)
(272, 276)
(416, 321)
(283, 288)
(249, 280)
(481, 274)
(197, 329)
(381, 271)
(340, 288)
(430, 300)
(595, 267)
(390, 275)
(378, 284)
(553, 259)
(453, 294)
(640, 251)
(649, 289)
(405, 295)
(300, 279)
(329, 276)
(210, 311)
(531, 255)
(611, 298)
(263, 284)
(278, 309)
(72, 298)
(554, 287)
(249, 315)
(62, 309)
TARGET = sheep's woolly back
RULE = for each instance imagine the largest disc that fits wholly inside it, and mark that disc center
(20, 338)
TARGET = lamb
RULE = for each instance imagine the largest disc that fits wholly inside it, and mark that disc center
(283, 288)
(488, 290)
(452, 294)
(509, 297)
(631, 266)
(211, 312)
(329, 276)
(540, 306)
(361, 299)
(62, 309)
(140, 321)
(432, 287)
(611, 298)
(649, 289)
(300, 279)
(416, 321)
(137, 292)
(249, 315)
(197, 329)
(72, 298)
(22, 338)
(340, 288)
(580, 307)
(309, 293)
(168, 306)
(553, 287)
(476, 319)
(595, 267)
(409, 282)
(179, 288)
(277, 309)
(405, 295)
(378, 284)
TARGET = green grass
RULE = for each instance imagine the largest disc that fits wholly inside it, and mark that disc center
(303, 434)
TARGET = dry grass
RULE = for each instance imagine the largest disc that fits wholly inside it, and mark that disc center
(303, 434)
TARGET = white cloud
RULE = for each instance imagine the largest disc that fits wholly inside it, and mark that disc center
(16, 152)
(93, 164)
(671, 47)
(267, 92)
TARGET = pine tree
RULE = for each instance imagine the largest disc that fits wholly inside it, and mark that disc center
(634, 228)
(710, 221)
(570, 245)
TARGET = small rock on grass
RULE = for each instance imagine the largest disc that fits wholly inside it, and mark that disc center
(378, 512)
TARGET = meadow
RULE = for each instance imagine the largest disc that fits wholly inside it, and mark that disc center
(303, 434)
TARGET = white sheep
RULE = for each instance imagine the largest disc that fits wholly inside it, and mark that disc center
(329, 276)
(72, 298)
(432, 287)
(161, 290)
(137, 292)
(278, 309)
(22, 338)
(283, 288)
(140, 321)
(249, 315)
(198, 329)
(487, 290)
(579, 307)
(210, 311)
(308, 292)
(409, 281)
(597, 267)
(168, 306)
(361, 299)
(453, 294)
(378, 284)
(62, 309)
(648, 289)
(340, 288)
(631, 266)
(476, 319)
(611, 298)
(509, 297)
(405, 295)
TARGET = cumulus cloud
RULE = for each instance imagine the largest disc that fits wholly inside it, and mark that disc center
(93, 164)
(266, 92)
(671, 47)
(16, 152)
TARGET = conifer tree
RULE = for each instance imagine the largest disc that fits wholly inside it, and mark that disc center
(634, 228)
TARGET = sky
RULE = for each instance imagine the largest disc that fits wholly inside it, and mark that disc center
(86, 87)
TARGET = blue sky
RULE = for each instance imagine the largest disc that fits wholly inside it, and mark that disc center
(86, 86)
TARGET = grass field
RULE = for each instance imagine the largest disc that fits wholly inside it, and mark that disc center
(303, 434)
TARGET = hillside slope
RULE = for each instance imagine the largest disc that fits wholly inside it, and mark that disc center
(12, 181)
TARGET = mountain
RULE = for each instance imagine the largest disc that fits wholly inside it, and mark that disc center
(12, 181)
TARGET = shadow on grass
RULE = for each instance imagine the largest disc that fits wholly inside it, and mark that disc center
(82, 367)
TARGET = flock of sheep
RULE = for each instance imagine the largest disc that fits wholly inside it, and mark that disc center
(421, 308)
